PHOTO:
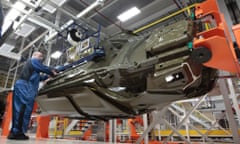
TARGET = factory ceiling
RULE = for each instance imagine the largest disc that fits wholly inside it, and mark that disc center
(36, 20)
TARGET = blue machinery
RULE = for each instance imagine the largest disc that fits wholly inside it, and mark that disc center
(97, 50)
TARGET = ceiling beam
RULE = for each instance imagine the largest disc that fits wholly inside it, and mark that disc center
(10, 55)
(43, 22)
(33, 42)
(103, 8)
(148, 13)
(79, 15)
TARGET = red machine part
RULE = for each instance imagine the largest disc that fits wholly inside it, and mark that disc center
(43, 121)
(42, 128)
(7, 116)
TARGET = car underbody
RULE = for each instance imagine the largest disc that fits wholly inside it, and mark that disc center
(138, 74)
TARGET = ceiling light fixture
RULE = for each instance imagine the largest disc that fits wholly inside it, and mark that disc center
(51, 8)
(13, 13)
(25, 30)
(6, 47)
(128, 14)
(56, 54)
(32, 3)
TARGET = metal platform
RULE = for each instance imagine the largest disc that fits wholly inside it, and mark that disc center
(193, 133)
(32, 140)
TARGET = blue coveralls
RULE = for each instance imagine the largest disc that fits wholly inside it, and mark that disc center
(25, 90)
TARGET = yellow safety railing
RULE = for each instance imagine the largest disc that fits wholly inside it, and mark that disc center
(164, 18)
(194, 133)
(60, 126)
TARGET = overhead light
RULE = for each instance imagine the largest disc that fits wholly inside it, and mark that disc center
(25, 30)
(6, 47)
(33, 3)
(59, 2)
(56, 54)
(51, 8)
(128, 14)
(11, 16)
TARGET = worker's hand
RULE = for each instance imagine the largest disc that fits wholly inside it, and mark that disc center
(47, 80)
(54, 72)
(43, 83)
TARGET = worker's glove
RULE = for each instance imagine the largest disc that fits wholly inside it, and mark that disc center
(43, 83)
(54, 73)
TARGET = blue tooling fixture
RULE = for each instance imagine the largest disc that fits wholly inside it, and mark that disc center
(98, 51)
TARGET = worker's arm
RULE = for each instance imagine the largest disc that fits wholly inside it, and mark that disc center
(39, 67)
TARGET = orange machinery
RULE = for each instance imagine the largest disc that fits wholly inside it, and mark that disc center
(43, 121)
(215, 39)
(7, 115)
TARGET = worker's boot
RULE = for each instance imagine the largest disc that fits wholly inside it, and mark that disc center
(18, 136)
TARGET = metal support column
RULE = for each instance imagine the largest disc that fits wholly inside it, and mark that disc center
(49, 51)
(232, 122)
(8, 74)
(157, 127)
(233, 96)
(187, 131)
(186, 122)
(115, 130)
(238, 3)
(49, 43)
(223, 8)
(18, 62)
(186, 125)
(15, 68)
(150, 127)
(145, 125)
(112, 131)
(15, 74)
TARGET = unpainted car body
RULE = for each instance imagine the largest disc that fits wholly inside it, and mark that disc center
(137, 75)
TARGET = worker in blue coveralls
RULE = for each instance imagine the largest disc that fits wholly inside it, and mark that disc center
(24, 92)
